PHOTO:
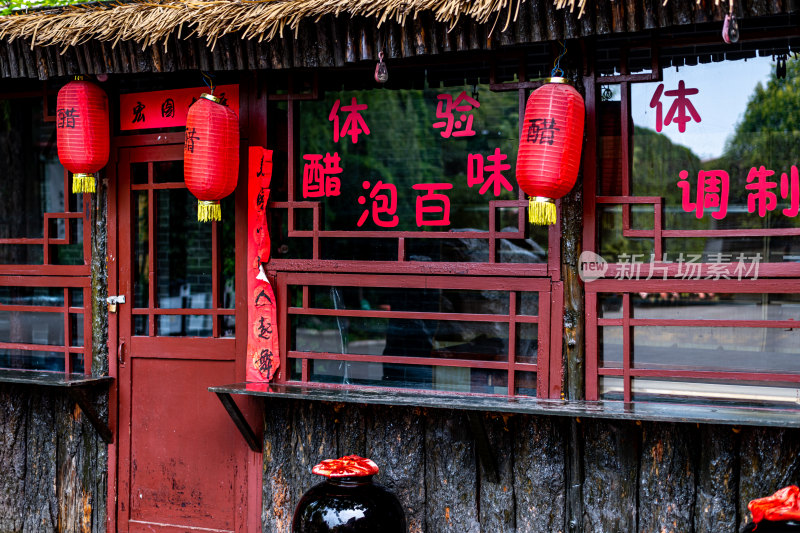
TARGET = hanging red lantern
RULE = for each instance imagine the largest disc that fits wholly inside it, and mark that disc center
(82, 131)
(550, 147)
(211, 154)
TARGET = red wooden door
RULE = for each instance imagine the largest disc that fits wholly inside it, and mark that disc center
(181, 464)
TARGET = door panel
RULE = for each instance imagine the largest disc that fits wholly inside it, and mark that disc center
(180, 469)
(173, 412)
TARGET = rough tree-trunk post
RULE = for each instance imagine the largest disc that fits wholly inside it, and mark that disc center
(573, 343)
(95, 482)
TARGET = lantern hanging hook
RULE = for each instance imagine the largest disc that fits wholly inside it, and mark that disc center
(730, 26)
(208, 79)
(381, 74)
(557, 71)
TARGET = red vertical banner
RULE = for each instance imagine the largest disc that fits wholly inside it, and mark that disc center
(262, 313)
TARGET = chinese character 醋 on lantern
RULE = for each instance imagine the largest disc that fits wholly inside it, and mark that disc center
(82, 132)
(211, 154)
(550, 147)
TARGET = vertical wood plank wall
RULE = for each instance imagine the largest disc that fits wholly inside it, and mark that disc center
(52, 465)
(638, 477)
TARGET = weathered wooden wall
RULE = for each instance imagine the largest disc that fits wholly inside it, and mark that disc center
(648, 477)
(53, 464)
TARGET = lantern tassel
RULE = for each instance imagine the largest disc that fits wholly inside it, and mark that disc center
(541, 211)
(82, 183)
(208, 211)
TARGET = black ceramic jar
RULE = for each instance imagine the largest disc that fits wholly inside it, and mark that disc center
(769, 526)
(348, 501)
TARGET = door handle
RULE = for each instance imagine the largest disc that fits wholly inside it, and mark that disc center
(121, 353)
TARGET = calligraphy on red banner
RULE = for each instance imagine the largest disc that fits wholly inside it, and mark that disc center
(263, 357)
(167, 109)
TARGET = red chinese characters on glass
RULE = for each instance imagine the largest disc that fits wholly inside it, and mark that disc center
(762, 198)
(319, 178)
(476, 172)
(457, 115)
(790, 188)
(680, 112)
(712, 192)
(433, 203)
(384, 204)
(354, 123)
(713, 187)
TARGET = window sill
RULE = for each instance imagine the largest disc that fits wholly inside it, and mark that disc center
(51, 379)
(609, 410)
(75, 385)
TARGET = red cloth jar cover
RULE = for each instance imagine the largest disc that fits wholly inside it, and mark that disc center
(348, 501)
(211, 154)
(550, 147)
(82, 131)
(348, 466)
(783, 505)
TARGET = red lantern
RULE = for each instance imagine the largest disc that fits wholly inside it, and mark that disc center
(211, 154)
(550, 147)
(82, 131)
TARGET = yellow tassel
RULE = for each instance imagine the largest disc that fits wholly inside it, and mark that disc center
(208, 211)
(541, 211)
(82, 183)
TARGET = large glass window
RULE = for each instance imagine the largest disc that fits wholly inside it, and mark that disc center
(420, 174)
(697, 212)
(42, 327)
(458, 335)
(405, 194)
(716, 346)
(712, 165)
(183, 269)
(44, 256)
(41, 222)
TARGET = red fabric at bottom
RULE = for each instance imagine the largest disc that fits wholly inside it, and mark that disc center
(783, 505)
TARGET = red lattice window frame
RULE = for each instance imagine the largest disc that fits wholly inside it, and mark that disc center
(628, 371)
(510, 365)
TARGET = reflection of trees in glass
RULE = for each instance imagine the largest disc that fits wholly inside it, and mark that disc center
(656, 164)
(768, 135)
(10, 6)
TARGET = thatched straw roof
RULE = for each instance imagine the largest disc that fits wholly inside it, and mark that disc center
(154, 21)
